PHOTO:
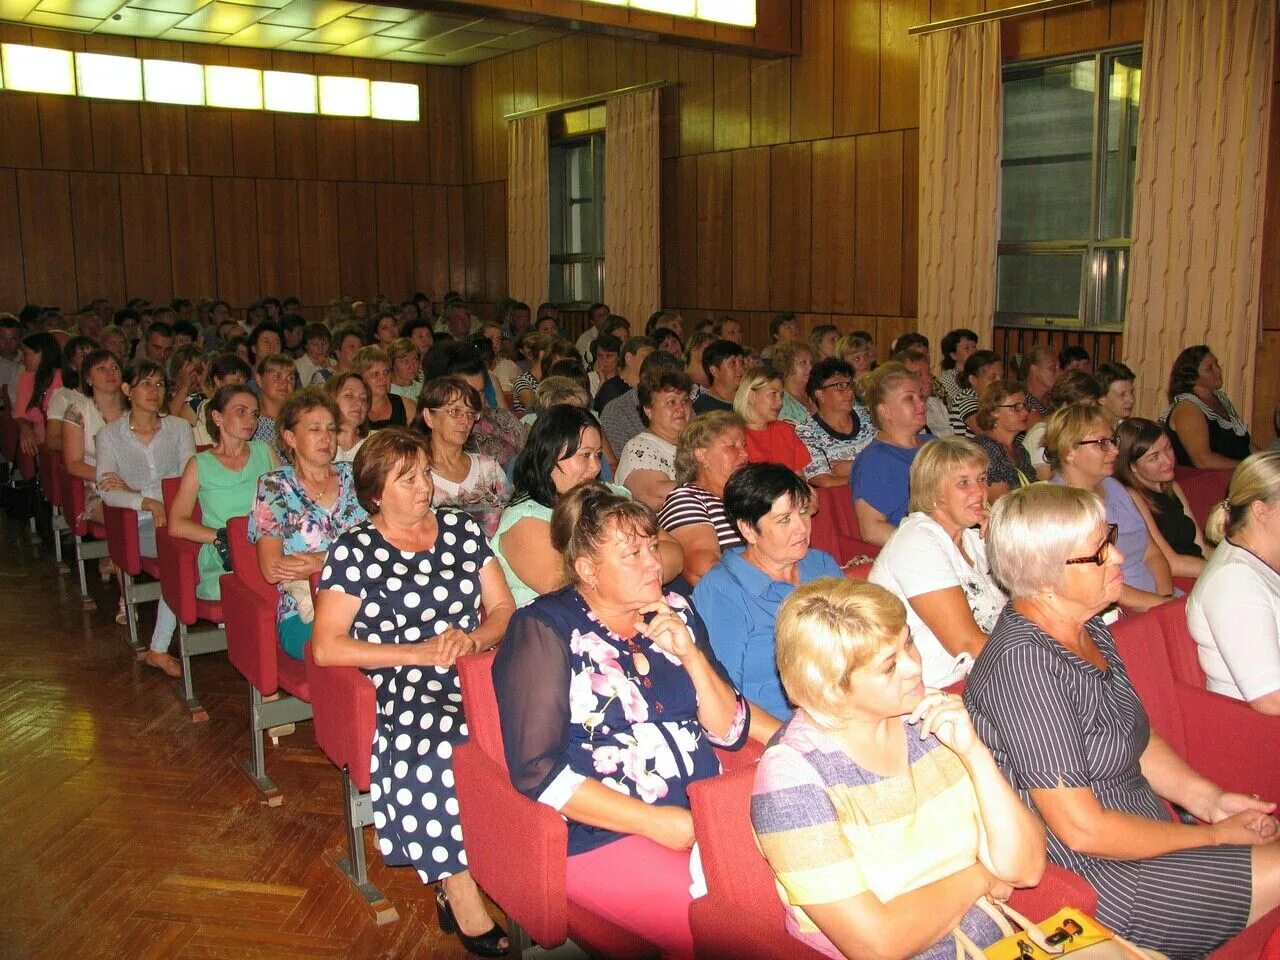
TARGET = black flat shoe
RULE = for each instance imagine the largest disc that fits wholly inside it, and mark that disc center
(488, 944)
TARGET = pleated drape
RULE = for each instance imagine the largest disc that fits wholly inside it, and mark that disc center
(960, 118)
(632, 206)
(1198, 203)
(528, 210)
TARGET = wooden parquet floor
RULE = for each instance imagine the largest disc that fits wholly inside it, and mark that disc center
(128, 832)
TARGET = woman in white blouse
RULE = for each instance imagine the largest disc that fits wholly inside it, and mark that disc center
(936, 561)
(647, 465)
(1234, 610)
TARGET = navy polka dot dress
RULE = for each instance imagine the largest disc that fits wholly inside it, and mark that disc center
(412, 597)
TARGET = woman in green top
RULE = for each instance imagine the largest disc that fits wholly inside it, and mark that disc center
(223, 481)
(562, 452)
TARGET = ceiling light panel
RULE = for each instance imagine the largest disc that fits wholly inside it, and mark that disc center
(38, 69)
(171, 81)
(737, 13)
(395, 101)
(107, 77)
(290, 92)
(237, 87)
(344, 96)
(135, 22)
(677, 8)
(219, 17)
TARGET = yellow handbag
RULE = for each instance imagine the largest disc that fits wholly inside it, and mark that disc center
(1069, 931)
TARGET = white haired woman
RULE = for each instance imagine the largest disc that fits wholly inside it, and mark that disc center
(1234, 609)
(881, 812)
(1052, 699)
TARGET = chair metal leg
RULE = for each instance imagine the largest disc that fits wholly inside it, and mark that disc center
(131, 616)
(193, 645)
(357, 812)
(263, 715)
(59, 526)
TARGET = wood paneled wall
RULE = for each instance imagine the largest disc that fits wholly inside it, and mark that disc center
(787, 184)
(125, 199)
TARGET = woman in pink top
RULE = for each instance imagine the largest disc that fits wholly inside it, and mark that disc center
(42, 359)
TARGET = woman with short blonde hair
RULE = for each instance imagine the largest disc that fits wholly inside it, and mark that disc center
(386, 409)
(793, 359)
(880, 477)
(1234, 610)
(770, 439)
(894, 752)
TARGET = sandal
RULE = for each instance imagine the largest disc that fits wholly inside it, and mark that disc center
(106, 569)
(122, 618)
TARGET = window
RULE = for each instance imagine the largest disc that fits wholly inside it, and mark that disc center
(1066, 219)
(577, 221)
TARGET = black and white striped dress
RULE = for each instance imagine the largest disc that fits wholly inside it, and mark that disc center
(1052, 719)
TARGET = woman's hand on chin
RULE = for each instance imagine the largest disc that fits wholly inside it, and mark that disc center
(945, 717)
(666, 630)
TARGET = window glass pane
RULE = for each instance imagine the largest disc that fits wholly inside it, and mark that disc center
(1039, 285)
(1124, 88)
(1047, 153)
(1111, 275)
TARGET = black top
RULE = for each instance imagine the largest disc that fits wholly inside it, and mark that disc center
(398, 418)
(707, 402)
(1174, 525)
(614, 387)
(1228, 436)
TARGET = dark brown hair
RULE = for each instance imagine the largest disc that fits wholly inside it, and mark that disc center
(387, 454)
(585, 516)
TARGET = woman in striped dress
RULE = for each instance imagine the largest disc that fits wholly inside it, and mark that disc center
(1052, 699)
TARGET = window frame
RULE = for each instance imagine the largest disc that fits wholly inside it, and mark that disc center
(1093, 251)
(561, 200)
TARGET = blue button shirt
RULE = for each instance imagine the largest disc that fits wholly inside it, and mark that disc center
(739, 604)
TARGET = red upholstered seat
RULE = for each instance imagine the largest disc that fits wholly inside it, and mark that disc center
(180, 569)
(1179, 644)
(344, 708)
(835, 526)
(49, 464)
(9, 436)
(249, 609)
(122, 540)
(1204, 489)
(741, 915)
(516, 847)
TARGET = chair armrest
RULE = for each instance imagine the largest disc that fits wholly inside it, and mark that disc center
(122, 538)
(179, 574)
(1229, 742)
(344, 709)
(724, 930)
(1058, 888)
(252, 640)
(516, 847)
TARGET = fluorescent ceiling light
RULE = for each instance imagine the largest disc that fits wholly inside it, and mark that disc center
(172, 81)
(395, 101)
(739, 13)
(678, 8)
(289, 92)
(237, 87)
(38, 69)
(107, 77)
(344, 96)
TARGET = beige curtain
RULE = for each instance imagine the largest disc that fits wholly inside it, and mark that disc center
(528, 210)
(632, 206)
(1198, 202)
(960, 121)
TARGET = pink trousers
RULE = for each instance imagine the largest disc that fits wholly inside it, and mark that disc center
(641, 886)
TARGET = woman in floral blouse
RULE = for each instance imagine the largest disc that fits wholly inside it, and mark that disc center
(474, 483)
(612, 702)
(301, 509)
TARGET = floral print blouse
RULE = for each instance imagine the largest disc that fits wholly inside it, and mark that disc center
(284, 509)
(580, 702)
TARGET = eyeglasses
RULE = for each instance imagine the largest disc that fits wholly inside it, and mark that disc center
(1015, 407)
(1099, 558)
(456, 413)
(843, 386)
(1104, 443)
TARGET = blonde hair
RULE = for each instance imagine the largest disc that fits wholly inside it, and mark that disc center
(366, 357)
(1034, 530)
(752, 381)
(701, 432)
(937, 461)
(400, 347)
(875, 385)
(785, 354)
(1067, 426)
(1256, 479)
(825, 631)
(556, 390)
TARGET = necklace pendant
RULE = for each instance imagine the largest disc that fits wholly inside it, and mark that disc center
(641, 663)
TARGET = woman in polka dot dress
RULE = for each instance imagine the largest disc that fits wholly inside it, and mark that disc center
(401, 598)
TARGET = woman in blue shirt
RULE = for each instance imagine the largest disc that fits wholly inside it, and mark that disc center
(739, 597)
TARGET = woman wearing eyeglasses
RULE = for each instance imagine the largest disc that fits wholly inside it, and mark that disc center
(1052, 700)
(471, 482)
(1002, 420)
(1081, 448)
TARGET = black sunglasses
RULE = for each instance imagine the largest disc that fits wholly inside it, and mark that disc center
(1099, 558)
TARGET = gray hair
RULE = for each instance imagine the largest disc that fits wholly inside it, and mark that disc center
(1034, 530)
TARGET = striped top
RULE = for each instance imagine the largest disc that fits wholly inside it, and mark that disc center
(960, 404)
(689, 505)
(832, 830)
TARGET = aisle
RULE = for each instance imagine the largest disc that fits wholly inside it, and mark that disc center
(126, 831)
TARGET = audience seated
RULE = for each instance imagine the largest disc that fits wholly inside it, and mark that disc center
(223, 481)
(386, 409)
(633, 352)
(223, 370)
(606, 357)
(612, 701)
(620, 419)
(982, 367)
(275, 381)
(1075, 357)
(769, 439)
(1002, 425)
(188, 381)
(40, 379)
(544, 350)
(362, 597)
(497, 433)
(880, 478)
(406, 368)
(63, 398)
(99, 402)
(1072, 387)
(1038, 370)
(1052, 700)
(957, 347)
(739, 597)
(473, 483)
(351, 395)
(793, 362)
(348, 340)
(723, 364)
(1145, 466)
(134, 454)
(936, 418)
(879, 809)
(711, 448)
(858, 350)
(822, 341)
(1234, 609)
(1082, 449)
(694, 348)
(936, 560)
(300, 509)
(646, 466)
(1116, 381)
(1207, 432)
(836, 433)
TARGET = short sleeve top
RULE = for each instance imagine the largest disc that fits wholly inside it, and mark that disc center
(828, 446)
(690, 505)
(526, 381)
(1228, 436)
(963, 402)
(482, 494)
(498, 434)
(646, 451)
(881, 477)
(831, 829)
(793, 411)
(1000, 469)
(84, 413)
(777, 443)
(920, 557)
(282, 508)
